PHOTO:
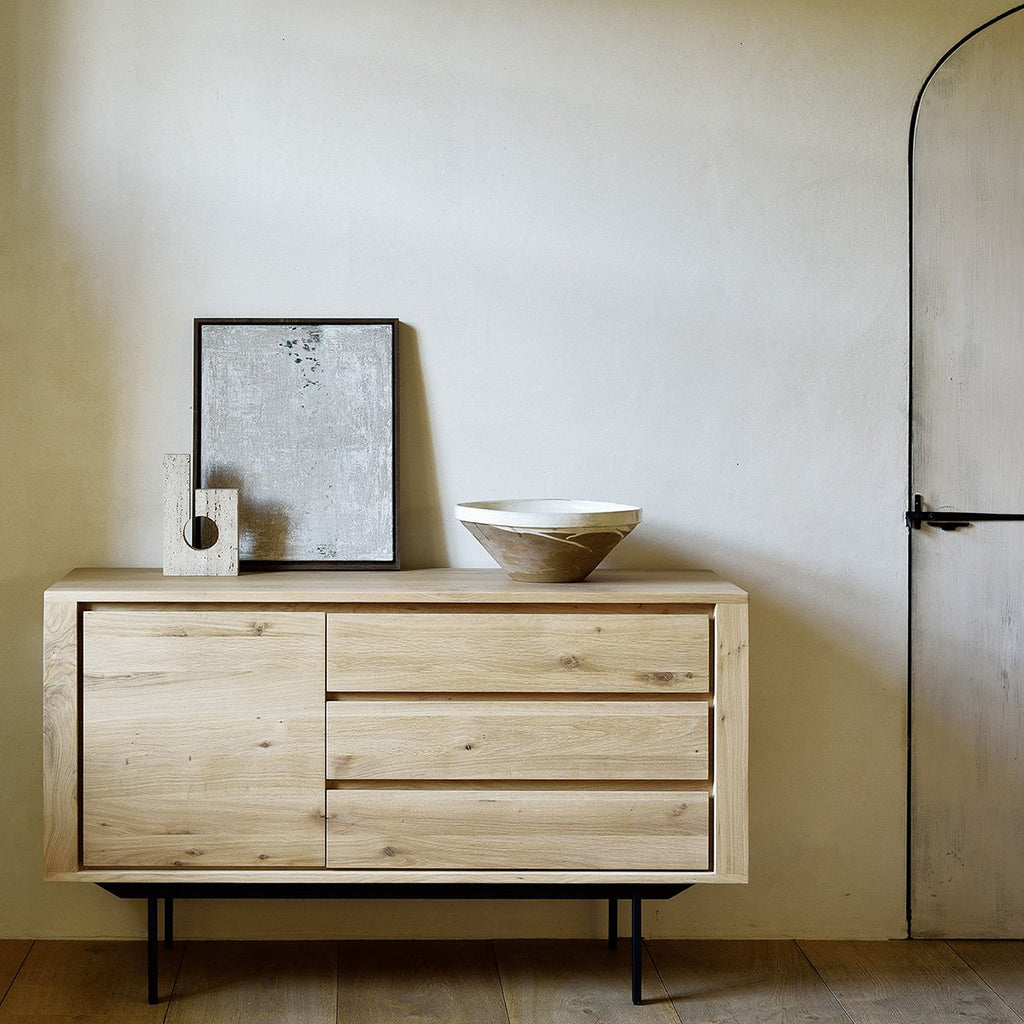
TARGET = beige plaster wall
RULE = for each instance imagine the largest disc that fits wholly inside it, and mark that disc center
(646, 250)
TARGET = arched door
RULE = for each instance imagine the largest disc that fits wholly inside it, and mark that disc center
(967, 463)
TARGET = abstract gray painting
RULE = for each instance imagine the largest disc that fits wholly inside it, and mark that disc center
(299, 415)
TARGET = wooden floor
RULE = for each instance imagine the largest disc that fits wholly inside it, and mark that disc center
(514, 982)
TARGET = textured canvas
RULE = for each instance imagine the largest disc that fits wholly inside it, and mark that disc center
(299, 417)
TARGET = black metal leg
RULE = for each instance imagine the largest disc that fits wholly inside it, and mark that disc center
(151, 964)
(228, 890)
(638, 942)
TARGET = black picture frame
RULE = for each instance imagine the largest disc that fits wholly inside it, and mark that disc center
(301, 415)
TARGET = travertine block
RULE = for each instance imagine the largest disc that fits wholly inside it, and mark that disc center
(220, 506)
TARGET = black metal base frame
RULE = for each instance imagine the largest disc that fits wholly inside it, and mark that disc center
(171, 891)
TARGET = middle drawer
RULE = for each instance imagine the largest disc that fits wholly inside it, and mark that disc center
(442, 739)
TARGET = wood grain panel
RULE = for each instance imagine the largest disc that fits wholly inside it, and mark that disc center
(731, 742)
(513, 739)
(905, 982)
(203, 737)
(60, 736)
(402, 876)
(559, 982)
(756, 982)
(385, 982)
(482, 651)
(528, 830)
(424, 586)
(256, 983)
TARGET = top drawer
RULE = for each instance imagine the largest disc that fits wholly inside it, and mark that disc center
(410, 651)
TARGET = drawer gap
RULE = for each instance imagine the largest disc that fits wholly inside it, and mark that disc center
(508, 695)
(529, 608)
(565, 785)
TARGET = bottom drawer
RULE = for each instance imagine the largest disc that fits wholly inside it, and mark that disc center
(524, 829)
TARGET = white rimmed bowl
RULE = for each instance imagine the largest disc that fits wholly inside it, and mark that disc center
(548, 540)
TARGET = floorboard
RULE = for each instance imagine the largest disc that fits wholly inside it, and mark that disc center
(256, 983)
(68, 982)
(746, 982)
(906, 982)
(558, 982)
(12, 956)
(1000, 965)
(429, 982)
(516, 982)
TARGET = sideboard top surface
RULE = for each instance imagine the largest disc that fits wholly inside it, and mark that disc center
(433, 586)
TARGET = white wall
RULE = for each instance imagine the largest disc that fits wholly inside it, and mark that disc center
(651, 251)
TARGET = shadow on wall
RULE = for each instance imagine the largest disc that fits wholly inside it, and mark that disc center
(828, 727)
(58, 421)
(640, 552)
(421, 538)
(825, 716)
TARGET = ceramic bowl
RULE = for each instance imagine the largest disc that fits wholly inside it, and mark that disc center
(548, 540)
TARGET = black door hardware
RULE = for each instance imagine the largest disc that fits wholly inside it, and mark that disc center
(917, 517)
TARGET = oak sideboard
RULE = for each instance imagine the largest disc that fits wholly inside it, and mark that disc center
(428, 732)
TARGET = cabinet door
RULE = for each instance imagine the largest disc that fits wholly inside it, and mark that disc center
(202, 738)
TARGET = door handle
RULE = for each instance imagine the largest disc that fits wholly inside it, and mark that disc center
(917, 517)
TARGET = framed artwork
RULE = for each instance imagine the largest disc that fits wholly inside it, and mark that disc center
(301, 416)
